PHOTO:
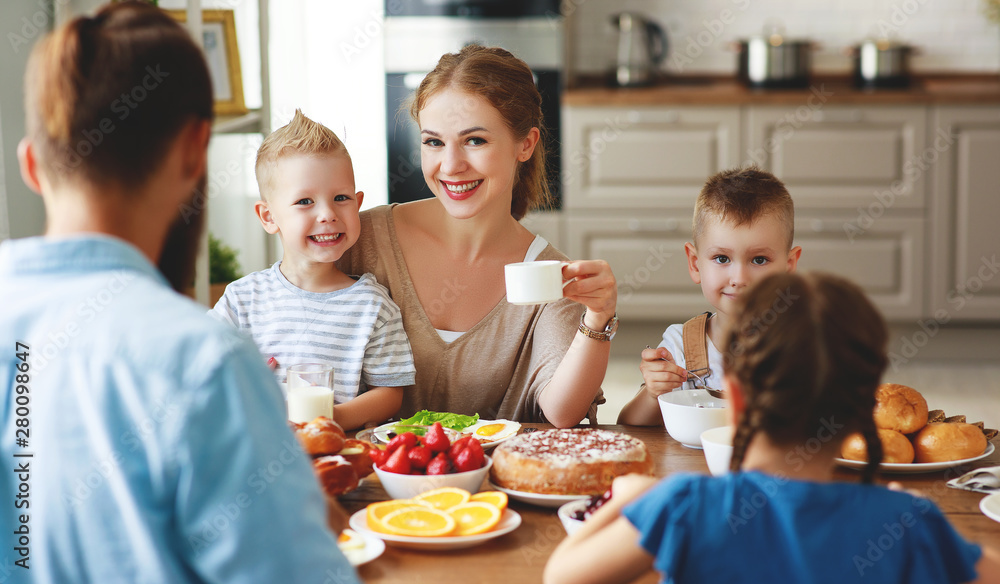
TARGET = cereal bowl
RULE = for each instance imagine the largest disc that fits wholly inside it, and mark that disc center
(718, 446)
(689, 412)
(400, 486)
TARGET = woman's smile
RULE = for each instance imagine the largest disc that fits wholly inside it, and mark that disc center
(459, 191)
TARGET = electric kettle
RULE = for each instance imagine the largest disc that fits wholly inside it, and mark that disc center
(642, 46)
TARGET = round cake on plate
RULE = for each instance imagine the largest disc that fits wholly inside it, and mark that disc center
(576, 461)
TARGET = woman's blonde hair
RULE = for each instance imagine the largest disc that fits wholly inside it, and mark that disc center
(507, 84)
(106, 95)
(808, 351)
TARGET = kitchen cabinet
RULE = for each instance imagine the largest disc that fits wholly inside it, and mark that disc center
(633, 175)
(644, 157)
(838, 157)
(965, 238)
(886, 260)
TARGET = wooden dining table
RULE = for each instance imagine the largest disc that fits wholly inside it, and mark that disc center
(519, 557)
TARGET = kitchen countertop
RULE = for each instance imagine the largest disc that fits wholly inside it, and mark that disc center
(942, 89)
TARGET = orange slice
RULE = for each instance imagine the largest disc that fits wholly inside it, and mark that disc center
(419, 522)
(473, 518)
(444, 498)
(496, 498)
(378, 511)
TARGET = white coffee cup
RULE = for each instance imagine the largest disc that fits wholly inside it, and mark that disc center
(534, 282)
(310, 392)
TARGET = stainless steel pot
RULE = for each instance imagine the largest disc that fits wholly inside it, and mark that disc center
(774, 62)
(881, 63)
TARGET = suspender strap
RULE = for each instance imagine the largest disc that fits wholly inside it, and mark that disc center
(696, 345)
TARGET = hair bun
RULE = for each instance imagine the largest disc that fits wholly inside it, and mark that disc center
(899, 408)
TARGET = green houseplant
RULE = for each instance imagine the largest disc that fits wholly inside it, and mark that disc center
(223, 267)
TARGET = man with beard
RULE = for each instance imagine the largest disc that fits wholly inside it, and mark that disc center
(148, 441)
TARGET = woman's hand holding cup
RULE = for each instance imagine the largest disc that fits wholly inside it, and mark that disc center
(592, 284)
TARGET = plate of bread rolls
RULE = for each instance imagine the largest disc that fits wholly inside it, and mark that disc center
(339, 463)
(915, 439)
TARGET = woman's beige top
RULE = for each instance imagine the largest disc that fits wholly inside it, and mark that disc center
(499, 367)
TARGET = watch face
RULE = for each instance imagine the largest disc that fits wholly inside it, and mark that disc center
(613, 327)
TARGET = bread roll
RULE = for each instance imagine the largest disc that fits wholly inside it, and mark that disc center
(945, 442)
(900, 408)
(356, 452)
(335, 474)
(896, 448)
(321, 436)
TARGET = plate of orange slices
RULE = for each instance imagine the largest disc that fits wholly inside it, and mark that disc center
(441, 519)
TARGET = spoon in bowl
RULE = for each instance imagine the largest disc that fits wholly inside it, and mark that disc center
(716, 393)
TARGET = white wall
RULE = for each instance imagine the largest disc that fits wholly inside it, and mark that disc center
(952, 35)
(21, 24)
(327, 59)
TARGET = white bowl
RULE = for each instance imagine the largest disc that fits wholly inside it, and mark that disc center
(400, 486)
(689, 412)
(572, 524)
(718, 445)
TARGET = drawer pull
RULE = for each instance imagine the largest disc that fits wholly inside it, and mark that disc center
(848, 117)
(639, 226)
(816, 225)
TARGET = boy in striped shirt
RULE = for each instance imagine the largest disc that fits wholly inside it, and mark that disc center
(303, 309)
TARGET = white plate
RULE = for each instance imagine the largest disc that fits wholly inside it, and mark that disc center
(487, 446)
(380, 435)
(552, 501)
(508, 522)
(990, 506)
(917, 467)
(373, 549)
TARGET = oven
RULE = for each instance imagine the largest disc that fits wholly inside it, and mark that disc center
(417, 33)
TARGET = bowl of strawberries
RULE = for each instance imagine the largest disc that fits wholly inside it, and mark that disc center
(412, 463)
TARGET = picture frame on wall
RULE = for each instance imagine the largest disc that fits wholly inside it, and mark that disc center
(223, 57)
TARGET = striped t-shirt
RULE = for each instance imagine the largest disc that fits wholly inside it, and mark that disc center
(358, 329)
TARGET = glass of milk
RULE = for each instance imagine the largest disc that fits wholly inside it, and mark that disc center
(310, 391)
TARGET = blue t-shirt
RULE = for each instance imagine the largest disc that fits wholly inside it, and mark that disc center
(155, 447)
(753, 527)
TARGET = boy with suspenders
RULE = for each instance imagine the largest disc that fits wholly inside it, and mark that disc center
(743, 231)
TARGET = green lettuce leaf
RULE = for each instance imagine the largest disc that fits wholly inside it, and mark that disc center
(456, 422)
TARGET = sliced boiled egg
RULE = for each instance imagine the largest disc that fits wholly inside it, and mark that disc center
(487, 431)
(350, 540)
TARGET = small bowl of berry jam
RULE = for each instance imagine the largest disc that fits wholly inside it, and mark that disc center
(573, 514)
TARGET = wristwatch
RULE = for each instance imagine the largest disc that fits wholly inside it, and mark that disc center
(606, 335)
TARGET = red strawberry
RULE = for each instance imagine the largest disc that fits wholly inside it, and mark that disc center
(406, 438)
(477, 452)
(435, 439)
(458, 446)
(399, 461)
(378, 456)
(466, 461)
(420, 456)
(439, 465)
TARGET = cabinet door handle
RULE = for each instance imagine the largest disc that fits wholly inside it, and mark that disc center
(639, 226)
(842, 117)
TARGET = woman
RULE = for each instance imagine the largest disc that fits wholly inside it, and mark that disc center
(442, 259)
(157, 423)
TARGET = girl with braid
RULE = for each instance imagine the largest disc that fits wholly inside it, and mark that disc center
(803, 359)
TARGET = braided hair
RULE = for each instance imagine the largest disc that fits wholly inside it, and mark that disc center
(808, 352)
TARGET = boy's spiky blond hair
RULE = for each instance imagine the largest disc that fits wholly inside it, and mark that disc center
(300, 136)
(741, 196)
